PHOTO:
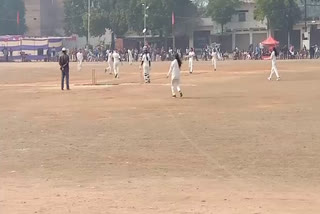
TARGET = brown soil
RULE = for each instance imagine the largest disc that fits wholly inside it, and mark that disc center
(236, 143)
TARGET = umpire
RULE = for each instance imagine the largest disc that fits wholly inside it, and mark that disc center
(64, 67)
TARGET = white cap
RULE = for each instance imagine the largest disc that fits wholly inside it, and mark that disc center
(64, 49)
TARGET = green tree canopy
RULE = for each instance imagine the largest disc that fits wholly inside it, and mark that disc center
(8, 17)
(222, 11)
(280, 14)
(123, 15)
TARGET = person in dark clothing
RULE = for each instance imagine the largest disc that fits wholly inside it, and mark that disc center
(64, 67)
(312, 52)
(6, 54)
(48, 55)
(11, 53)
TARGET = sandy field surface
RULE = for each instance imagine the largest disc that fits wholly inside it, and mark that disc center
(236, 143)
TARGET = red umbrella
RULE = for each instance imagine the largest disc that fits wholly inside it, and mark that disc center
(270, 41)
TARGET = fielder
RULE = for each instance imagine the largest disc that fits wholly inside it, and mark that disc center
(146, 65)
(214, 55)
(80, 59)
(274, 69)
(110, 63)
(130, 56)
(191, 58)
(175, 76)
(116, 63)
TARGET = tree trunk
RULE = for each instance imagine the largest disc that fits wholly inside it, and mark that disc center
(113, 42)
(268, 28)
(289, 38)
(222, 29)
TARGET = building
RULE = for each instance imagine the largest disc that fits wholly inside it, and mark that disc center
(244, 29)
(241, 31)
(44, 17)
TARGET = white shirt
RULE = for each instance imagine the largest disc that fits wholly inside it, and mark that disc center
(273, 58)
(214, 55)
(110, 57)
(80, 56)
(174, 70)
(191, 55)
(130, 53)
(146, 59)
(116, 57)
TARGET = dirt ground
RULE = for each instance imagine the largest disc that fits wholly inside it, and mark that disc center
(236, 143)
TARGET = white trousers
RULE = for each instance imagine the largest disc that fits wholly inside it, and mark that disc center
(191, 66)
(110, 67)
(146, 74)
(116, 68)
(130, 60)
(79, 65)
(214, 63)
(175, 86)
(274, 70)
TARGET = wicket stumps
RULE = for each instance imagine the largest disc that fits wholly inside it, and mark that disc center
(94, 81)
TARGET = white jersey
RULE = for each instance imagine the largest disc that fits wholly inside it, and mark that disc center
(273, 58)
(116, 57)
(191, 55)
(146, 59)
(79, 56)
(130, 53)
(174, 70)
(110, 57)
(214, 55)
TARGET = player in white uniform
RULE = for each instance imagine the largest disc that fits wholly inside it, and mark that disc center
(110, 63)
(175, 76)
(191, 58)
(130, 57)
(214, 55)
(146, 65)
(116, 64)
(80, 59)
(274, 69)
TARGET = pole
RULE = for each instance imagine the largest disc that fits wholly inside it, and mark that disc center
(305, 16)
(174, 38)
(145, 24)
(173, 31)
(89, 19)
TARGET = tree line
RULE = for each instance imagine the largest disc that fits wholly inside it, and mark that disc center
(279, 14)
(12, 17)
(122, 16)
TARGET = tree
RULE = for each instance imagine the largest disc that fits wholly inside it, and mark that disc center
(280, 14)
(202, 6)
(116, 15)
(75, 14)
(12, 17)
(222, 11)
(200, 3)
(160, 14)
(123, 15)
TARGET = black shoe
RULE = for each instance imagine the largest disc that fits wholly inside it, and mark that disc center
(68, 89)
(116, 76)
(174, 96)
(181, 95)
(62, 89)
